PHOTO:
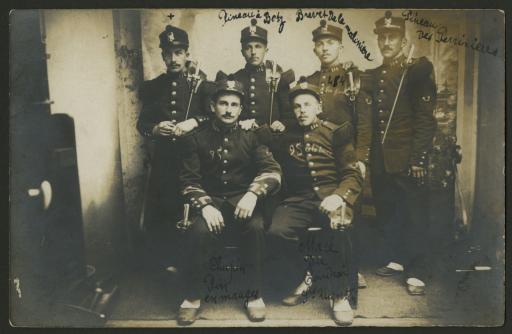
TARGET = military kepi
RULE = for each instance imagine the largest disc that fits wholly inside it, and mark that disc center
(229, 86)
(389, 23)
(326, 30)
(173, 37)
(253, 33)
(301, 86)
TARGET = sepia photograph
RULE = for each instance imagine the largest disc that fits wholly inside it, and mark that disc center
(256, 167)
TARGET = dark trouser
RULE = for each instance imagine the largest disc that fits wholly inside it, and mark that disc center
(164, 205)
(402, 210)
(207, 268)
(327, 254)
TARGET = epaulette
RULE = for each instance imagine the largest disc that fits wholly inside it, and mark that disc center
(330, 125)
(221, 76)
(343, 133)
(268, 64)
(149, 88)
(288, 77)
(348, 65)
(420, 69)
(202, 75)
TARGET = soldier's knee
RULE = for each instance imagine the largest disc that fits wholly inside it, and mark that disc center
(278, 231)
(256, 225)
(199, 228)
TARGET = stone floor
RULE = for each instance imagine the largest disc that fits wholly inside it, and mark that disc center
(150, 298)
(145, 302)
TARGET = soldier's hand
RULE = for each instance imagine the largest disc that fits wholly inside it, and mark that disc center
(248, 124)
(213, 218)
(330, 204)
(277, 126)
(165, 128)
(246, 205)
(418, 173)
(185, 127)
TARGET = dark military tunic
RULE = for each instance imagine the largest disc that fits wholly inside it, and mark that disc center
(220, 165)
(258, 95)
(413, 125)
(165, 98)
(338, 108)
(317, 162)
(401, 202)
(225, 164)
(321, 159)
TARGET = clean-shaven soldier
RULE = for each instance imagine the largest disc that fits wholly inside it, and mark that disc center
(262, 106)
(324, 180)
(226, 171)
(335, 78)
(345, 92)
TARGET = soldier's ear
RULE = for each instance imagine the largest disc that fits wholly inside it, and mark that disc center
(319, 108)
(212, 106)
(404, 42)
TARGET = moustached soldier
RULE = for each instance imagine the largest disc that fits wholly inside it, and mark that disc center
(173, 104)
(404, 128)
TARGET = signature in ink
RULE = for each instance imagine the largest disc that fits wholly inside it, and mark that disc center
(331, 16)
(439, 34)
(267, 17)
(216, 264)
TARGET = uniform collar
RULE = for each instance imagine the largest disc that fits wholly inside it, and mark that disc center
(397, 61)
(312, 126)
(336, 67)
(218, 126)
(174, 76)
(252, 68)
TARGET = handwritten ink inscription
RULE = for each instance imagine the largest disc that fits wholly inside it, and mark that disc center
(315, 253)
(268, 17)
(221, 281)
(439, 34)
(338, 18)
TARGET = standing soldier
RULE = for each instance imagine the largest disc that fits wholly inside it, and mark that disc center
(173, 104)
(226, 172)
(327, 180)
(344, 90)
(404, 127)
(266, 86)
(344, 93)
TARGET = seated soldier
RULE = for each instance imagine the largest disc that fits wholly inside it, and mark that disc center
(323, 181)
(225, 172)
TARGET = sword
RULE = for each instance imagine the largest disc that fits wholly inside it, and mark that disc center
(352, 98)
(194, 80)
(397, 93)
(274, 79)
(184, 224)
